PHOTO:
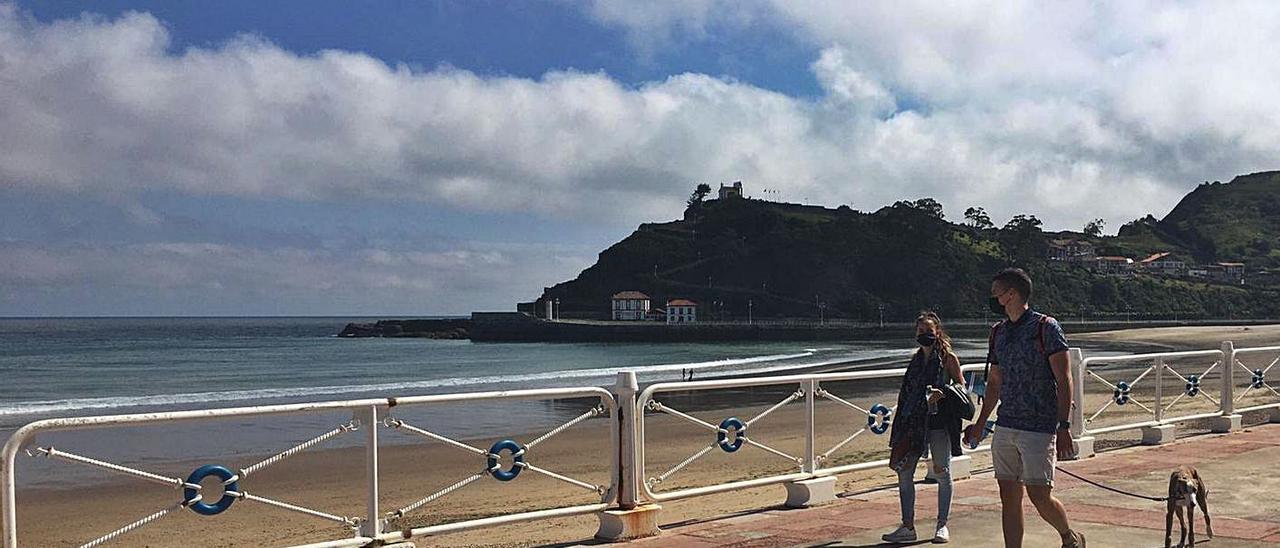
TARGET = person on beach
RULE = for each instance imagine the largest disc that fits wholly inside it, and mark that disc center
(924, 421)
(1031, 381)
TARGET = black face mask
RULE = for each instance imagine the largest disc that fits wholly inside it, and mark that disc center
(994, 304)
(927, 339)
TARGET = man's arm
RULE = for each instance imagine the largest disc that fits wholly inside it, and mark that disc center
(992, 396)
(1062, 373)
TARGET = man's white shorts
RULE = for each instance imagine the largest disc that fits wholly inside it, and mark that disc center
(1028, 457)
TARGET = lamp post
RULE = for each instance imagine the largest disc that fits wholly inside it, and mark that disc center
(881, 307)
(749, 317)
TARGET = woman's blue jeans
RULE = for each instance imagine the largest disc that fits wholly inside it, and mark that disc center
(940, 449)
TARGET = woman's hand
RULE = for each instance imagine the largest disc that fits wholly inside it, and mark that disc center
(935, 395)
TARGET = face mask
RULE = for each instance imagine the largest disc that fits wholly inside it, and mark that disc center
(996, 308)
(926, 339)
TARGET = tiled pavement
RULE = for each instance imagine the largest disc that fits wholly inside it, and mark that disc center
(1242, 470)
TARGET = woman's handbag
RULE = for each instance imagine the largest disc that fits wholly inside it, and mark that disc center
(958, 395)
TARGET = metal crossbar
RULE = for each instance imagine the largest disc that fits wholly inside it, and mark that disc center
(828, 395)
(435, 496)
(294, 508)
(594, 412)
(1187, 381)
(1265, 385)
(1114, 387)
(658, 406)
(177, 483)
(52, 453)
(342, 429)
(399, 424)
(390, 422)
(144, 521)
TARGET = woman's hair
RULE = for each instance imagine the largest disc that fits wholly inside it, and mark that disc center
(944, 340)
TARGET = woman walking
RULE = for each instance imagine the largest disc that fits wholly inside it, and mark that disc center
(924, 419)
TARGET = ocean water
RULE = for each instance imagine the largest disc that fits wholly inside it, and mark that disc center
(73, 367)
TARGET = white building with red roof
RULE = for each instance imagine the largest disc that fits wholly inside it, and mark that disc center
(682, 311)
(630, 306)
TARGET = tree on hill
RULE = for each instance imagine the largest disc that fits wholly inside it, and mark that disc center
(700, 193)
(1094, 228)
(978, 218)
(1022, 238)
(929, 206)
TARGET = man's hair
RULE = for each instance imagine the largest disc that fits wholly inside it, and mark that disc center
(1016, 279)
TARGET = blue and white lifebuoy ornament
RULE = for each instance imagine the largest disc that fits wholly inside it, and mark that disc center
(739, 429)
(228, 487)
(1259, 378)
(879, 419)
(1193, 385)
(517, 454)
(1121, 394)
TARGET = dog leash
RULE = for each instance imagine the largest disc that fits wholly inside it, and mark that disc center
(1112, 489)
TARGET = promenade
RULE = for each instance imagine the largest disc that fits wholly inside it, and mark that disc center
(1239, 468)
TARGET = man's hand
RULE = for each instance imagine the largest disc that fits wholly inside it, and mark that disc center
(1066, 447)
(973, 433)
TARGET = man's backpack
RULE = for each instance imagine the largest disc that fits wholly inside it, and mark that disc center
(991, 341)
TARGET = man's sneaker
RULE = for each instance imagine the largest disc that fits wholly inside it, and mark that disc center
(903, 534)
(1076, 540)
(943, 536)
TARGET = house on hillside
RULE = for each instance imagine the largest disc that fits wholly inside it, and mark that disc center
(731, 191)
(682, 311)
(1231, 273)
(1114, 266)
(656, 315)
(1164, 264)
(630, 306)
(1071, 251)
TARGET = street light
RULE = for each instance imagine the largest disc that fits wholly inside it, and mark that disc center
(749, 306)
(881, 307)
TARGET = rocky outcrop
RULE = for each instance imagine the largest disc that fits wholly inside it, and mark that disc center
(428, 329)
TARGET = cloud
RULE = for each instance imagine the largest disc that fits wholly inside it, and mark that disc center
(1069, 111)
(213, 278)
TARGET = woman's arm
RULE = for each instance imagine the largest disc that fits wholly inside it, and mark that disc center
(952, 365)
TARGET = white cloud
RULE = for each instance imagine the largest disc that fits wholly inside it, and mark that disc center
(213, 278)
(1068, 111)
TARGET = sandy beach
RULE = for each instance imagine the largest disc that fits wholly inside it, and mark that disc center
(333, 480)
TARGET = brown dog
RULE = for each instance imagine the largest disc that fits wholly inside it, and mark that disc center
(1186, 492)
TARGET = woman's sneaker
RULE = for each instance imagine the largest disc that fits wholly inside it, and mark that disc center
(943, 536)
(903, 534)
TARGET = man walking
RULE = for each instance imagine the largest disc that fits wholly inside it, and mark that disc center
(1031, 380)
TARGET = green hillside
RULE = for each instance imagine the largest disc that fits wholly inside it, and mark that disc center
(741, 256)
(1238, 221)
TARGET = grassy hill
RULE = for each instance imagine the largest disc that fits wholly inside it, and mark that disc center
(787, 260)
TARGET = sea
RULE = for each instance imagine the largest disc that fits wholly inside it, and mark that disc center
(63, 367)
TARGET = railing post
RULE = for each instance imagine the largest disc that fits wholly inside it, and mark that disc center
(1228, 378)
(631, 519)
(810, 457)
(1159, 390)
(372, 526)
(628, 447)
(1229, 421)
(1161, 433)
(1084, 443)
(811, 491)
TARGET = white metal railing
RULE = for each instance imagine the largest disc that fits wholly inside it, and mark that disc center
(369, 416)
(1256, 377)
(732, 434)
(630, 485)
(1226, 362)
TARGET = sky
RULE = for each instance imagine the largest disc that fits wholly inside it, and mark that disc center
(435, 158)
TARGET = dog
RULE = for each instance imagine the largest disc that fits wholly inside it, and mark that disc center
(1186, 492)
